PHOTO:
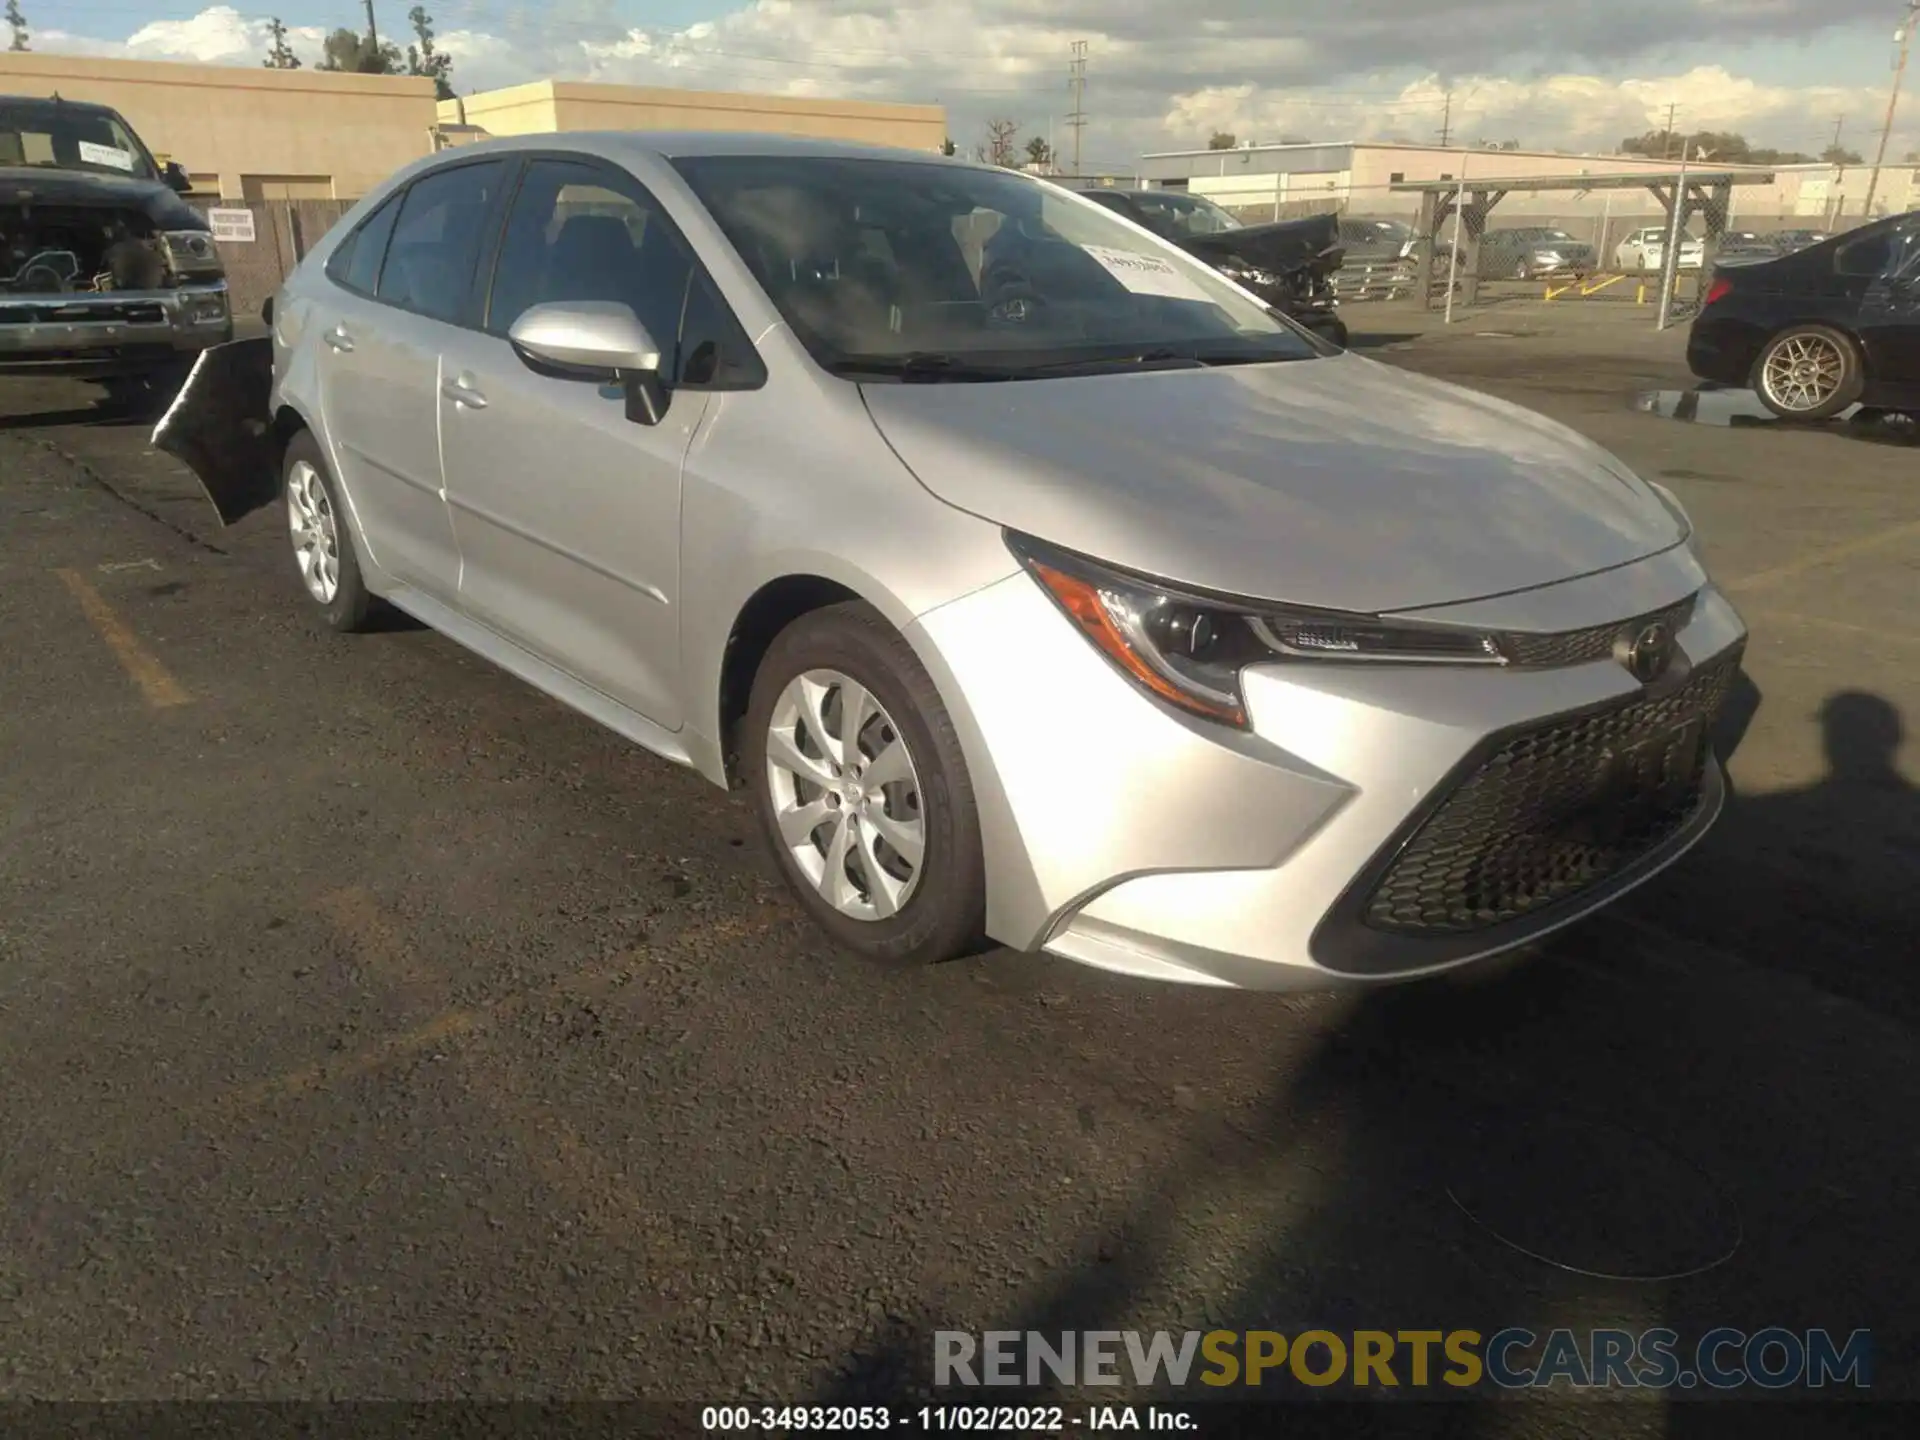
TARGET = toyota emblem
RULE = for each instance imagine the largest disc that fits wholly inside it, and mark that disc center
(1646, 652)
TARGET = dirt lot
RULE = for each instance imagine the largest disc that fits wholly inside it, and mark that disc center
(374, 1027)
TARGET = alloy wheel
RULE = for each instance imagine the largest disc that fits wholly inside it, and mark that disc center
(846, 794)
(316, 539)
(1803, 372)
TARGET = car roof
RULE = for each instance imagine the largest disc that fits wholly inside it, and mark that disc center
(90, 106)
(687, 144)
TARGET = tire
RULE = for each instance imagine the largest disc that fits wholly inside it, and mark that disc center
(1809, 372)
(320, 534)
(916, 914)
(1524, 272)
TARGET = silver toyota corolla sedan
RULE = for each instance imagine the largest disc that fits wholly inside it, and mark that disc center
(1039, 583)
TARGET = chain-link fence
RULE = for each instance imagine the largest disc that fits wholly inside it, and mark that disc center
(1601, 245)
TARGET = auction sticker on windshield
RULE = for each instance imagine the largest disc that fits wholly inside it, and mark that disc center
(105, 155)
(1146, 274)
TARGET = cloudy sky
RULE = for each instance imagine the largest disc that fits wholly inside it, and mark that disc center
(1161, 74)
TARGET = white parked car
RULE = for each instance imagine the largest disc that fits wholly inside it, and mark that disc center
(1647, 250)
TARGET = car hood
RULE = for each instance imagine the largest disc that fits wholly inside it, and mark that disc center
(35, 185)
(1311, 244)
(1334, 482)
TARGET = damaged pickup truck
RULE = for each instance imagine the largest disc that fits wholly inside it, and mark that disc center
(106, 274)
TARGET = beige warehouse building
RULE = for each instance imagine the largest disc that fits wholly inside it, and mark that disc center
(1358, 178)
(546, 106)
(250, 134)
(255, 134)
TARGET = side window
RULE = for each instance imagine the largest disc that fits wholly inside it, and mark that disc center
(1868, 256)
(579, 232)
(436, 240)
(356, 264)
(715, 353)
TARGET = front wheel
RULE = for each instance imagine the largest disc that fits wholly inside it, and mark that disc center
(1809, 372)
(862, 789)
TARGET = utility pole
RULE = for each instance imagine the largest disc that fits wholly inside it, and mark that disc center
(373, 31)
(1077, 82)
(1666, 145)
(1839, 124)
(1446, 121)
(1905, 36)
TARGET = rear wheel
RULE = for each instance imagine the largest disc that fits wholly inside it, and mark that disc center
(863, 791)
(323, 551)
(1810, 372)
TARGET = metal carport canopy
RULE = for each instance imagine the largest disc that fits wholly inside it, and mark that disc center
(1707, 192)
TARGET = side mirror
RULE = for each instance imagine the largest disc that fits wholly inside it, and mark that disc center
(177, 178)
(599, 340)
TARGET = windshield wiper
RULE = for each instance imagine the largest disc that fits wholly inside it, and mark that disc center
(919, 366)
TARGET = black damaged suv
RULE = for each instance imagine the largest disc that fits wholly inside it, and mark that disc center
(105, 272)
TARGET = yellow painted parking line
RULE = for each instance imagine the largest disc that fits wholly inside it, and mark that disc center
(1829, 556)
(159, 688)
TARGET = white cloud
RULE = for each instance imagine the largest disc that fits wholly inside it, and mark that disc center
(1157, 78)
(1580, 112)
(219, 35)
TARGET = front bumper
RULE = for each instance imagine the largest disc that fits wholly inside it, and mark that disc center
(115, 333)
(1122, 835)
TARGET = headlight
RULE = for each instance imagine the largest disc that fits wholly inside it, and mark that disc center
(1189, 649)
(1250, 277)
(191, 252)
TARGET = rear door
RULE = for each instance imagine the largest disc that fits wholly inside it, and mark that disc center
(567, 513)
(407, 282)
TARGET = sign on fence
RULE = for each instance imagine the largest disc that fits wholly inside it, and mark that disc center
(234, 225)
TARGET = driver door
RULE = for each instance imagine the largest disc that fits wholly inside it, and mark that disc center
(567, 513)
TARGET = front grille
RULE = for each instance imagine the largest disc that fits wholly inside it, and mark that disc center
(1554, 810)
(1581, 647)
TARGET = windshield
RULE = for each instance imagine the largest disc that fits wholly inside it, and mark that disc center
(1187, 214)
(49, 134)
(933, 271)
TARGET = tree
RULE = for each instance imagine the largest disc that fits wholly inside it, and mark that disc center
(947, 147)
(1223, 140)
(1039, 152)
(281, 56)
(359, 55)
(17, 23)
(1725, 146)
(999, 147)
(423, 59)
(1840, 155)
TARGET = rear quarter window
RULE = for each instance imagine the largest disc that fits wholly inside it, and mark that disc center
(355, 265)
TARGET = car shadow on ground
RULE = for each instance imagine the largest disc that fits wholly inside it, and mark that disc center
(1613, 1135)
(102, 414)
(1379, 340)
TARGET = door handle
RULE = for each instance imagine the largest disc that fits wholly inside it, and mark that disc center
(338, 338)
(461, 392)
